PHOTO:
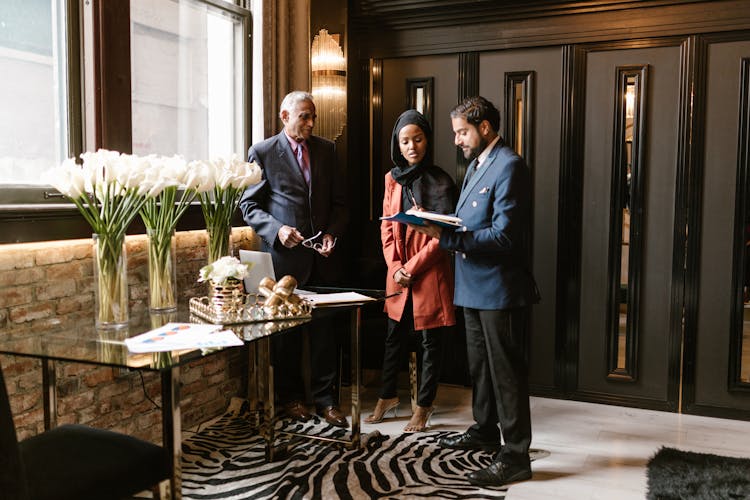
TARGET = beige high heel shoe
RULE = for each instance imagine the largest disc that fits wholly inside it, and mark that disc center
(374, 418)
(427, 412)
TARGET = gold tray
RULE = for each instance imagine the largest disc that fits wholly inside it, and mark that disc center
(252, 310)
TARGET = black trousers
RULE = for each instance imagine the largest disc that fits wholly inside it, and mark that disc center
(397, 344)
(287, 364)
(324, 349)
(494, 343)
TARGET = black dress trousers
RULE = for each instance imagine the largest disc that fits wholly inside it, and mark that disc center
(495, 340)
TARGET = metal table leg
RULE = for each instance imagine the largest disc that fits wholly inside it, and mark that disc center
(268, 430)
(356, 322)
(265, 390)
(172, 427)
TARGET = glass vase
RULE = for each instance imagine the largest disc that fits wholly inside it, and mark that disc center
(219, 242)
(162, 274)
(110, 281)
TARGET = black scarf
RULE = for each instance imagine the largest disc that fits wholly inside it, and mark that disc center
(410, 176)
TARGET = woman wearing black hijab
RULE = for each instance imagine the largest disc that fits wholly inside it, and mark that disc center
(417, 267)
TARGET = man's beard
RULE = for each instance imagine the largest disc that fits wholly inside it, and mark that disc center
(475, 152)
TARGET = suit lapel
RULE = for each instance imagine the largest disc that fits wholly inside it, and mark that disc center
(284, 150)
(478, 175)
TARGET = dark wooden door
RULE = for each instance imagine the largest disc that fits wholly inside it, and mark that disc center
(717, 323)
(626, 352)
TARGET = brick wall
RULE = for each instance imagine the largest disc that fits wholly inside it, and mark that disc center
(52, 282)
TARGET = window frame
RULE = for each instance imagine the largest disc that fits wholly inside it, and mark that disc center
(40, 213)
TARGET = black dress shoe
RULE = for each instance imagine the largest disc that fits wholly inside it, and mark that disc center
(499, 474)
(334, 416)
(297, 410)
(466, 441)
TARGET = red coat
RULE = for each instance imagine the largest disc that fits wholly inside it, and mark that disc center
(432, 289)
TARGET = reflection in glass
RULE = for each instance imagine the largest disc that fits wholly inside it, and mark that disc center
(518, 100)
(519, 109)
(626, 217)
(419, 96)
(420, 100)
(625, 253)
(745, 360)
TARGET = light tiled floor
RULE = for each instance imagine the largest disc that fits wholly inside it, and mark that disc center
(596, 451)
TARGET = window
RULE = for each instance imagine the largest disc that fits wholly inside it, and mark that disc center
(36, 102)
(188, 79)
(184, 88)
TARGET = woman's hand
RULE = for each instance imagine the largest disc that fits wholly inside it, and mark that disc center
(402, 277)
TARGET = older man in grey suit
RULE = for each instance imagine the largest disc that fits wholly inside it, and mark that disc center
(299, 211)
(495, 289)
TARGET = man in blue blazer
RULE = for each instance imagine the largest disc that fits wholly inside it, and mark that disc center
(495, 289)
(299, 211)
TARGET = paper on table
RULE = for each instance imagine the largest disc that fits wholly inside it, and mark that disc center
(174, 336)
(323, 299)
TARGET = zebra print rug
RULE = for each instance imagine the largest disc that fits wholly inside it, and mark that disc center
(226, 461)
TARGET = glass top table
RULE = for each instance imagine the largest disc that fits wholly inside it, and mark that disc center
(75, 338)
(79, 340)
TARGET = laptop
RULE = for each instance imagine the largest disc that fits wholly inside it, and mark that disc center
(262, 267)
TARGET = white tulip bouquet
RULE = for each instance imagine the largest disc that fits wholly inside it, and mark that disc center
(222, 183)
(109, 190)
(160, 215)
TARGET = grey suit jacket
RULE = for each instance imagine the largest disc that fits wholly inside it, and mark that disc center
(492, 246)
(283, 198)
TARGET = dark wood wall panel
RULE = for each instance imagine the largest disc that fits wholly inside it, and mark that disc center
(715, 298)
(547, 65)
(444, 70)
(501, 29)
(411, 14)
(659, 171)
(470, 44)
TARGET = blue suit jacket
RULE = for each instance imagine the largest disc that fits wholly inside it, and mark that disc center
(492, 246)
(282, 198)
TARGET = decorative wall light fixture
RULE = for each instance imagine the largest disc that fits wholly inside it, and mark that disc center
(328, 84)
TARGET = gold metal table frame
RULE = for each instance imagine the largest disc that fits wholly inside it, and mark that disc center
(261, 393)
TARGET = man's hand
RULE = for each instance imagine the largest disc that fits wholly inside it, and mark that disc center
(328, 243)
(430, 230)
(402, 277)
(289, 236)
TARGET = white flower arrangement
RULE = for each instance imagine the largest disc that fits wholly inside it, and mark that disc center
(110, 189)
(221, 184)
(223, 270)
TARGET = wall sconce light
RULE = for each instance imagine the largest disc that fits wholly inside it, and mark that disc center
(328, 84)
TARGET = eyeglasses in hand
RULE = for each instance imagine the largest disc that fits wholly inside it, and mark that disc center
(317, 246)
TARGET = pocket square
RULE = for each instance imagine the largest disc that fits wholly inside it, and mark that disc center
(484, 190)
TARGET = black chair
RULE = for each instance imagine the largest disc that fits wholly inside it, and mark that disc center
(75, 462)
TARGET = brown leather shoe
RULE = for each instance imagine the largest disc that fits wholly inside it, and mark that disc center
(334, 416)
(297, 411)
